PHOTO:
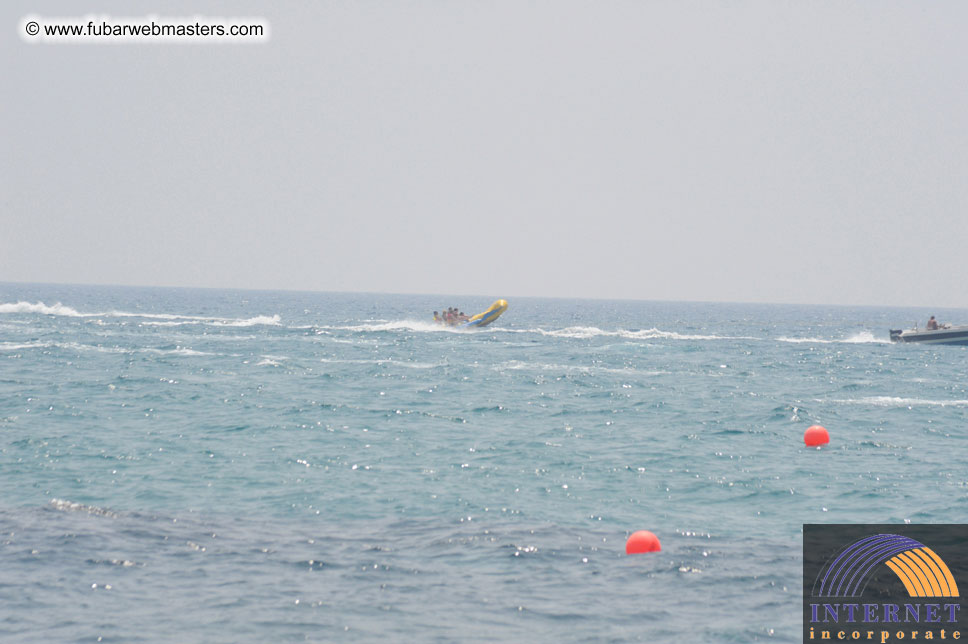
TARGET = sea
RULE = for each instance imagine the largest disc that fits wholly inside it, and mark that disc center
(191, 465)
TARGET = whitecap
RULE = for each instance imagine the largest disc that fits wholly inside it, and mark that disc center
(40, 307)
(894, 401)
(383, 361)
(169, 319)
(582, 332)
(70, 506)
(17, 346)
(178, 351)
(77, 346)
(267, 320)
(515, 365)
(182, 323)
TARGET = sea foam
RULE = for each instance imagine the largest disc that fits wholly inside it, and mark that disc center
(151, 319)
(863, 337)
(897, 401)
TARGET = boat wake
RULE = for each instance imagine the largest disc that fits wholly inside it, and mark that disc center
(582, 332)
(395, 325)
(150, 319)
(864, 337)
(40, 307)
(266, 320)
(894, 401)
(77, 346)
(575, 332)
(406, 325)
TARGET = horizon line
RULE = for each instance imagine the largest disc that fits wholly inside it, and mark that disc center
(426, 294)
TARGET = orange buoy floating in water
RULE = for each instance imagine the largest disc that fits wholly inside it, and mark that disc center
(816, 436)
(642, 541)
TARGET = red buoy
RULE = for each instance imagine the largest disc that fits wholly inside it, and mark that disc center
(816, 435)
(642, 541)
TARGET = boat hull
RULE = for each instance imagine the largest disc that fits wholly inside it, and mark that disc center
(951, 335)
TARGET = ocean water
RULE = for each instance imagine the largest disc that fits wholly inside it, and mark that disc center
(229, 466)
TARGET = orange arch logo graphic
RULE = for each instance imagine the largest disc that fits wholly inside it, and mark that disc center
(919, 568)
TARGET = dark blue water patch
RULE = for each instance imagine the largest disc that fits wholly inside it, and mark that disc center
(349, 573)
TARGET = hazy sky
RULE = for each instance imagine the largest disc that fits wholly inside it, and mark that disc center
(811, 152)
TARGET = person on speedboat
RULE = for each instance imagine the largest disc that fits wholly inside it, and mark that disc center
(934, 325)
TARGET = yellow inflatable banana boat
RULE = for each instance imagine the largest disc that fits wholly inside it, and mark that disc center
(488, 316)
(481, 319)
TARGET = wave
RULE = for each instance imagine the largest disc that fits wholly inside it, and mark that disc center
(183, 323)
(387, 361)
(77, 346)
(184, 320)
(17, 346)
(894, 401)
(177, 351)
(69, 506)
(170, 319)
(72, 346)
(40, 307)
(271, 361)
(267, 320)
(582, 332)
(516, 365)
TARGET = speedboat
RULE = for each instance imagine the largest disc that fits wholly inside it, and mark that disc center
(942, 335)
